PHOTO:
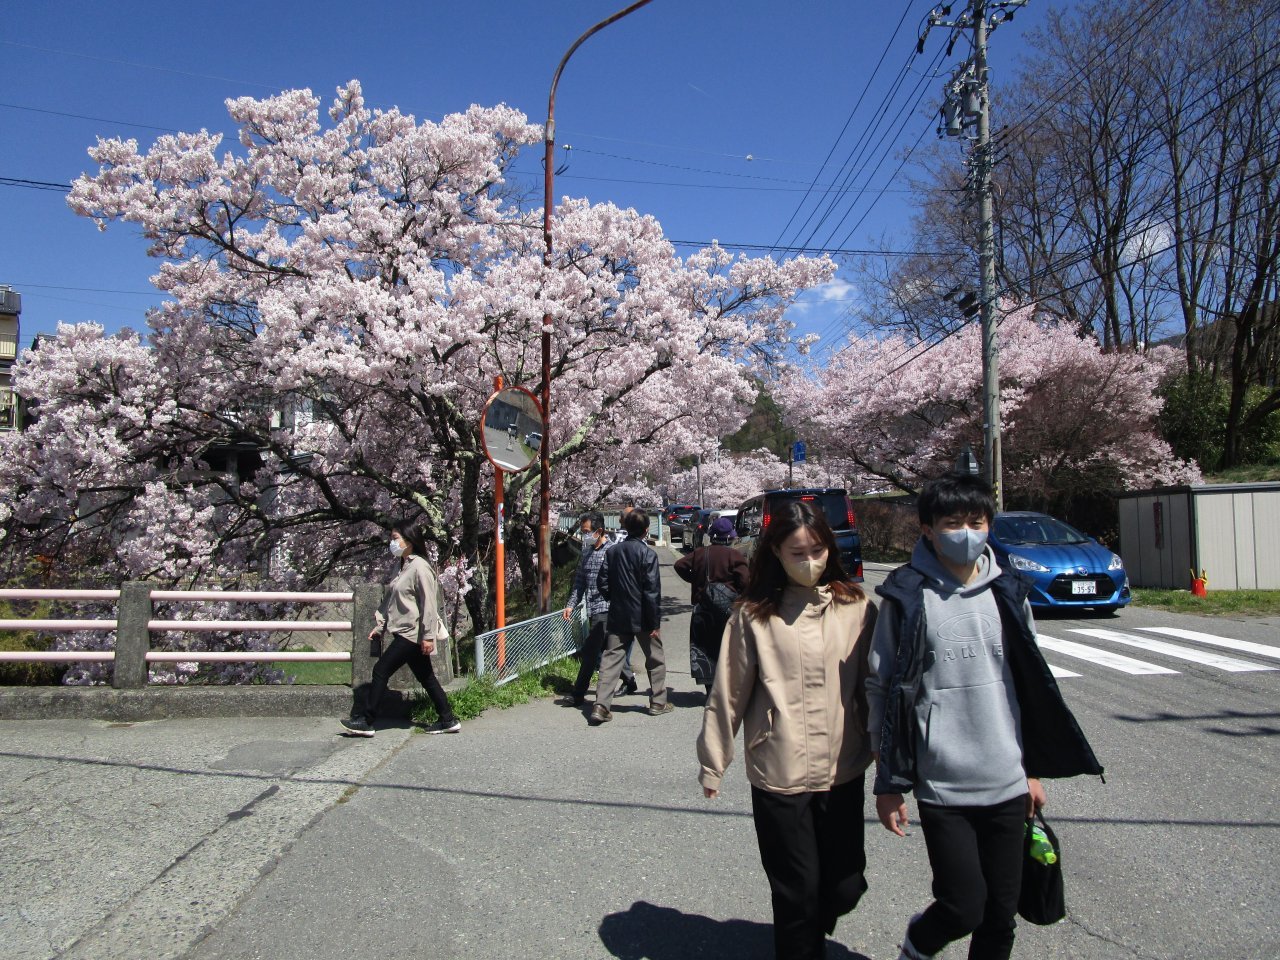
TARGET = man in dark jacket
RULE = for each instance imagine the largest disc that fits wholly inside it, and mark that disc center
(629, 580)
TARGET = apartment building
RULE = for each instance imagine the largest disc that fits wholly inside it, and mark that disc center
(10, 309)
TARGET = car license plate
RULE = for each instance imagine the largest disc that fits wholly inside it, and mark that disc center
(1084, 588)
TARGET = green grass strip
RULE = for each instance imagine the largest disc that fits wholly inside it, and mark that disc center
(1249, 603)
(481, 693)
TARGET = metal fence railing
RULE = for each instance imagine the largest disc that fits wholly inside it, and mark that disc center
(521, 647)
(569, 523)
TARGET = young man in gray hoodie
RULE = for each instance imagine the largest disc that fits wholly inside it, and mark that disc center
(963, 710)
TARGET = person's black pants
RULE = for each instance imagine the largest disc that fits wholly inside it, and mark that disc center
(397, 653)
(976, 855)
(812, 848)
(590, 653)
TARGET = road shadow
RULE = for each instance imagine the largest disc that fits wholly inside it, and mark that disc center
(1076, 613)
(673, 606)
(1255, 724)
(684, 699)
(650, 932)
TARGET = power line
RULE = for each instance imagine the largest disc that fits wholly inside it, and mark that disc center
(857, 165)
(1217, 88)
(848, 120)
(81, 116)
(676, 166)
(1088, 280)
(35, 184)
(814, 250)
(857, 159)
(134, 63)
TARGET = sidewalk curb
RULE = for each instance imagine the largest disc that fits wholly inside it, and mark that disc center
(163, 703)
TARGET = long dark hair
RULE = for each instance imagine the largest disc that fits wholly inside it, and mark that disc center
(767, 578)
(414, 535)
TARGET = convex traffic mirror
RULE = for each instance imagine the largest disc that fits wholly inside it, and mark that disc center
(511, 428)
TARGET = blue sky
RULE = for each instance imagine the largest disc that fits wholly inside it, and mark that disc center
(714, 116)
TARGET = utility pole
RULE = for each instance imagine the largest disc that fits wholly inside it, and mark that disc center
(967, 105)
(987, 262)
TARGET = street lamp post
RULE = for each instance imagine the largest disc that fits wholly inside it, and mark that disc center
(544, 456)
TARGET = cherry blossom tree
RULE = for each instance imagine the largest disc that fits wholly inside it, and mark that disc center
(341, 295)
(1076, 419)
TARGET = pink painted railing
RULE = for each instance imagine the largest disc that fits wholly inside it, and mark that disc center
(193, 626)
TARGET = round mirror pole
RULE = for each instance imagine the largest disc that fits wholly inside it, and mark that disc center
(499, 555)
(499, 558)
(511, 428)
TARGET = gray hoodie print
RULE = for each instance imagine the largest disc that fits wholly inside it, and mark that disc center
(968, 733)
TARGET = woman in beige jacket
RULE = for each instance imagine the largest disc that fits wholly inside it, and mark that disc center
(409, 619)
(792, 668)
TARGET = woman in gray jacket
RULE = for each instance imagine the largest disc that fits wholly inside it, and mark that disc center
(791, 672)
(410, 618)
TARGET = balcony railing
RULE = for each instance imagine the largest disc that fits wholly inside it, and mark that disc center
(8, 409)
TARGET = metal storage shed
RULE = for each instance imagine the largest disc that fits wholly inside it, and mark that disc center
(1229, 530)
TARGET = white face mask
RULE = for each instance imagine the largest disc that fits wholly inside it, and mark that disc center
(397, 548)
(806, 573)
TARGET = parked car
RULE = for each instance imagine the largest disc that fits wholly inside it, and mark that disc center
(676, 515)
(695, 535)
(533, 440)
(694, 529)
(1068, 568)
(754, 514)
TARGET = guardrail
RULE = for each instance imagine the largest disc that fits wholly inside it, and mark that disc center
(134, 624)
(521, 647)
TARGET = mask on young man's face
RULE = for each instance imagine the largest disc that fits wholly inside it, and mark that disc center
(961, 547)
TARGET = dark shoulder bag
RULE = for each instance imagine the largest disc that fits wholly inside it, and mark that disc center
(1041, 900)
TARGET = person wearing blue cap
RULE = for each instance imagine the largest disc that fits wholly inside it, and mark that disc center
(717, 574)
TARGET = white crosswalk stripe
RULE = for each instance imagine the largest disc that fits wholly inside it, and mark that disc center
(1177, 651)
(1062, 673)
(1240, 646)
(1104, 658)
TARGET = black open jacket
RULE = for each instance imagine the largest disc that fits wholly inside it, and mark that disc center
(629, 580)
(1053, 745)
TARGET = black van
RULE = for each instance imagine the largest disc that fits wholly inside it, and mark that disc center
(753, 517)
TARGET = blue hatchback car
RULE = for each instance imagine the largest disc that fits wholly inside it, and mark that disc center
(1068, 568)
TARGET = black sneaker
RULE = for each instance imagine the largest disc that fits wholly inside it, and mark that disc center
(628, 687)
(356, 727)
(443, 726)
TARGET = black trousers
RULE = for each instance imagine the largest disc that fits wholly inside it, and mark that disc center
(976, 855)
(590, 653)
(394, 656)
(812, 848)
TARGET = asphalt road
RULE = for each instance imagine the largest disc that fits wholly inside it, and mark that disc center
(531, 834)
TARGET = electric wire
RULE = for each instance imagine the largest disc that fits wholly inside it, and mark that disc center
(1217, 88)
(848, 120)
(1081, 257)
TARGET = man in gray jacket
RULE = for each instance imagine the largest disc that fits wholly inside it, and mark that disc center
(963, 710)
(629, 579)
